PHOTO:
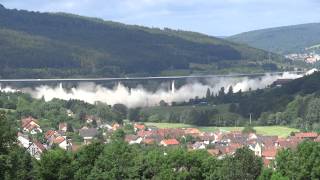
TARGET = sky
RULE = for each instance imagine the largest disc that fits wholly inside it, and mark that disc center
(213, 17)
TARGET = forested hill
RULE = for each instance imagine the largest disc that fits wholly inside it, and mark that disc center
(34, 44)
(283, 40)
(276, 99)
(296, 103)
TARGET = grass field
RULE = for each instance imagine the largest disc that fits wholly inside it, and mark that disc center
(281, 131)
(6, 110)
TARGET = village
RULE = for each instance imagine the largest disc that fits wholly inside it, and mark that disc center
(218, 143)
(306, 57)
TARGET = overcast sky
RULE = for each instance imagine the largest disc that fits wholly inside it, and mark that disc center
(214, 17)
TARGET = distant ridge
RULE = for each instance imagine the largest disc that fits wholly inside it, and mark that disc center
(283, 40)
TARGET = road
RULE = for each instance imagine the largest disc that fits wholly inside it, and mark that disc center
(143, 78)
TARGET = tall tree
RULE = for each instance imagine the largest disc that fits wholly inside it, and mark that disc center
(243, 165)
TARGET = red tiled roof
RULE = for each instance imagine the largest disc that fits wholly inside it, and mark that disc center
(129, 138)
(139, 126)
(144, 133)
(49, 134)
(306, 135)
(170, 142)
(40, 146)
(58, 140)
(27, 121)
(272, 152)
(192, 131)
(214, 152)
(148, 141)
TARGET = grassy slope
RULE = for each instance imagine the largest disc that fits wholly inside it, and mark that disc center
(288, 39)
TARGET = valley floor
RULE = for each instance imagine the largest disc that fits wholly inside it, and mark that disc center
(280, 131)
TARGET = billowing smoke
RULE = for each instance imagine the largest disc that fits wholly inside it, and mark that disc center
(141, 97)
(8, 89)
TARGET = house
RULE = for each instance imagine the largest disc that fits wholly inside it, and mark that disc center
(23, 140)
(208, 138)
(143, 133)
(148, 141)
(252, 136)
(133, 139)
(268, 155)
(214, 152)
(70, 113)
(115, 126)
(152, 128)
(36, 149)
(256, 148)
(89, 119)
(63, 127)
(317, 139)
(138, 127)
(198, 145)
(169, 142)
(268, 141)
(167, 133)
(50, 136)
(30, 125)
(105, 126)
(291, 143)
(192, 131)
(62, 142)
(306, 135)
(88, 134)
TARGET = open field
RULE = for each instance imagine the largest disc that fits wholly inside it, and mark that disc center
(6, 110)
(168, 125)
(281, 131)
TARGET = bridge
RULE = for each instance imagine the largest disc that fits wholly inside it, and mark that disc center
(146, 78)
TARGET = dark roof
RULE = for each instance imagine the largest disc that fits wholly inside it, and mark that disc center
(281, 82)
(90, 132)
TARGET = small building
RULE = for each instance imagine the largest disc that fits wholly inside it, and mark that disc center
(30, 125)
(36, 149)
(169, 142)
(192, 131)
(149, 141)
(115, 126)
(23, 140)
(268, 155)
(88, 134)
(138, 127)
(62, 142)
(63, 127)
(256, 148)
(306, 135)
(133, 139)
(214, 152)
(198, 145)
